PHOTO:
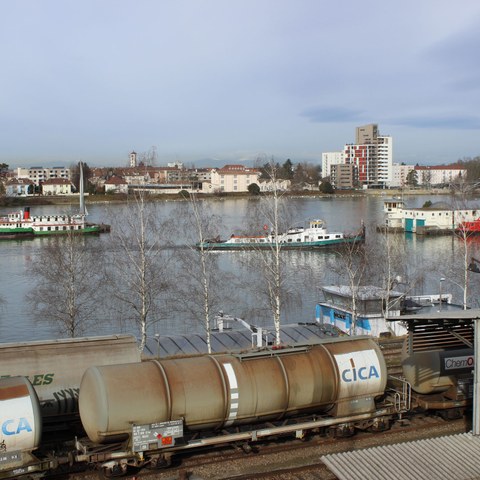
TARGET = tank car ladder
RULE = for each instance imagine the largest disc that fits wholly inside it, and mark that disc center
(401, 393)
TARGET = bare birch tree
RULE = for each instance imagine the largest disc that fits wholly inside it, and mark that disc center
(459, 273)
(274, 213)
(349, 264)
(67, 283)
(389, 262)
(199, 278)
(137, 273)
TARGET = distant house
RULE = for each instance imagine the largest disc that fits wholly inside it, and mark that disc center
(116, 184)
(39, 175)
(268, 185)
(440, 175)
(233, 178)
(19, 187)
(56, 186)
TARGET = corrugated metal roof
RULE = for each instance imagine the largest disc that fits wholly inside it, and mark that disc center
(233, 340)
(454, 457)
(471, 314)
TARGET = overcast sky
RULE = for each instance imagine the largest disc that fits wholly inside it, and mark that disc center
(228, 81)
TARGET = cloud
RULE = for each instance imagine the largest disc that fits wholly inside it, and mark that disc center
(454, 122)
(332, 114)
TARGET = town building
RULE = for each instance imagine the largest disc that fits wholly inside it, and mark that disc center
(372, 156)
(19, 187)
(233, 178)
(440, 175)
(279, 185)
(400, 174)
(115, 184)
(39, 175)
(56, 186)
(342, 176)
(329, 159)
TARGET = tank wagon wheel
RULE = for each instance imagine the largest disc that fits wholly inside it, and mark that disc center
(112, 470)
(341, 431)
(450, 413)
(380, 425)
(159, 461)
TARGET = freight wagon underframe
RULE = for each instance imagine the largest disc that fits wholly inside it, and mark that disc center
(119, 457)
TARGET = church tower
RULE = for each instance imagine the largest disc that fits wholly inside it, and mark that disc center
(133, 159)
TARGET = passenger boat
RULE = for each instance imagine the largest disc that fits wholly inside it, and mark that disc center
(20, 224)
(312, 237)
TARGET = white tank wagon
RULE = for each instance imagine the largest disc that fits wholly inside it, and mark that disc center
(340, 377)
(20, 423)
(55, 367)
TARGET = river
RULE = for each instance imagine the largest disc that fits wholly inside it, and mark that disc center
(436, 256)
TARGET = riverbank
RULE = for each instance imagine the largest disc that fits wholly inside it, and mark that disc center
(122, 198)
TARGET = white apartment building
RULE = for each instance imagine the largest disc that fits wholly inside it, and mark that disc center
(440, 175)
(384, 159)
(400, 174)
(39, 175)
(233, 178)
(329, 159)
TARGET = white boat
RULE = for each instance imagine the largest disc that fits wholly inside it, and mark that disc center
(312, 237)
(21, 224)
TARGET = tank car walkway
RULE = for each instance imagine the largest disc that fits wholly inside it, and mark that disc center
(453, 457)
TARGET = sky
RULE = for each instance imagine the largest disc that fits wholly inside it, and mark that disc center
(211, 82)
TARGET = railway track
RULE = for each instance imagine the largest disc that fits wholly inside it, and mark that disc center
(289, 459)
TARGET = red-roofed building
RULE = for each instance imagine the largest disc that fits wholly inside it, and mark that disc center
(116, 184)
(233, 178)
(56, 186)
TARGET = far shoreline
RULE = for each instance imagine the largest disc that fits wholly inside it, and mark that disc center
(122, 198)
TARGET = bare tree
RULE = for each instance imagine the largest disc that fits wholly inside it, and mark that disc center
(199, 278)
(459, 273)
(350, 266)
(274, 213)
(388, 265)
(137, 272)
(67, 281)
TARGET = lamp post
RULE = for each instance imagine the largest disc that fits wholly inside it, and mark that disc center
(157, 336)
(440, 296)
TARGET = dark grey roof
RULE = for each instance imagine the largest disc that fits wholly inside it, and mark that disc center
(442, 458)
(471, 314)
(233, 340)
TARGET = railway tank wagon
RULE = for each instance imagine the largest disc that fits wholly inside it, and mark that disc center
(55, 367)
(339, 377)
(20, 424)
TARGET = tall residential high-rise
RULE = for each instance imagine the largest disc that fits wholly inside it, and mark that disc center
(372, 156)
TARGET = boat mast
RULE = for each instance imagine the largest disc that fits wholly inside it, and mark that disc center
(83, 208)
